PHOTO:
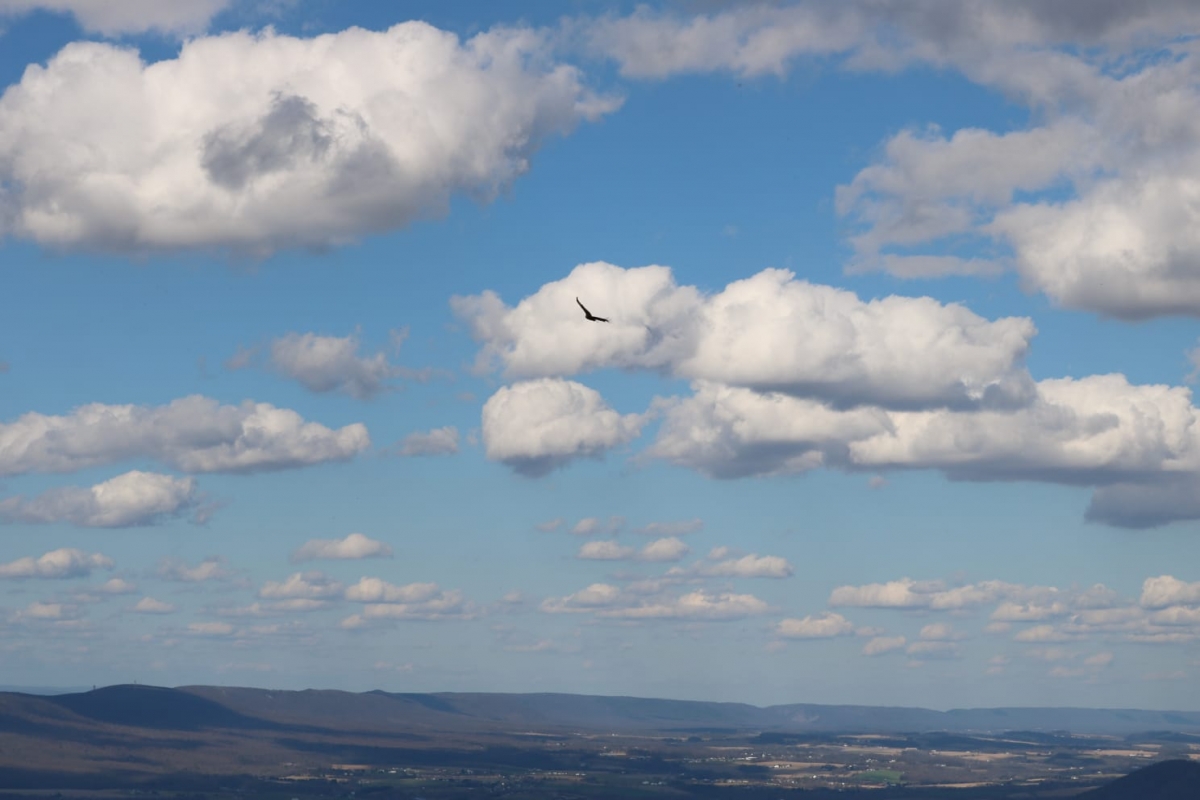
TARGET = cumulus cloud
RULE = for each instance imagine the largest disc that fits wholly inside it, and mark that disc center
(879, 645)
(538, 426)
(666, 549)
(435, 442)
(354, 546)
(210, 569)
(700, 604)
(415, 601)
(820, 626)
(1167, 590)
(766, 332)
(66, 562)
(127, 16)
(590, 526)
(191, 434)
(117, 586)
(316, 142)
(38, 611)
(598, 595)
(302, 585)
(133, 499)
(748, 566)
(1141, 505)
(214, 629)
(331, 364)
(148, 605)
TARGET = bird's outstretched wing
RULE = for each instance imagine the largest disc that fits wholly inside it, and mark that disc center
(586, 313)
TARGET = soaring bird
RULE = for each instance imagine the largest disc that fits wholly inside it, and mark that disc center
(590, 317)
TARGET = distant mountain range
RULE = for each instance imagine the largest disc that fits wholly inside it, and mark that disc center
(197, 707)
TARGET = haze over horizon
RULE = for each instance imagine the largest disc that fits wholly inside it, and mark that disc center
(894, 406)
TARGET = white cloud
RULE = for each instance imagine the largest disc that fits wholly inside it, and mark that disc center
(114, 17)
(598, 595)
(331, 363)
(749, 566)
(700, 604)
(939, 632)
(821, 626)
(66, 562)
(766, 332)
(589, 526)
(354, 546)
(376, 590)
(416, 601)
(668, 548)
(1027, 612)
(133, 499)
(605, 550)
(117, 586)
(1167, 590)
(312, 142)
(435, 442)
(1042, 633)
(883, 644)
(538, 426)
(148, 605)
(38, 611)
(210, 569)
(551, 525)
(903, 593)
(305, 585)
(191, 434)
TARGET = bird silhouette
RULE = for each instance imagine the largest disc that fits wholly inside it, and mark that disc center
(589, 315)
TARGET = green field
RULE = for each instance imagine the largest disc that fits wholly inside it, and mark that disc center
(880, 776)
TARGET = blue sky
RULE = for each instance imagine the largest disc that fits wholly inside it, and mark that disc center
(894, 406)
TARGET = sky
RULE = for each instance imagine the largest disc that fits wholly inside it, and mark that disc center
(893, 404)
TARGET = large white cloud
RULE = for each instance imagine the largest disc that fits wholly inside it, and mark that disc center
(112, 17)
(261, 141)
(192, 434)
(1094, 431)
(767, 332)
(135, 498)
(537, 426)
(385, 601)
(820, 626)
(311, 585)
(66, 562)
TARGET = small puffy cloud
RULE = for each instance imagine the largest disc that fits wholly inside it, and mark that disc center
(669, 548)
(354, 546)
(590, 526)
(698, 605)
(939, 632)
(416, 601)
(191, 434)
(678, 528)
(605, 550)
(304, 585)
(893, 594)
(820, 626)
(317, 142)
(148, 605)
(117, 586)
(210, 569)
(127, 16)
(435, 442)
(769, 332)
(133, 499)
(883, 644)
(1027, 612)
(66, 562)
(376, 590)
(331, 363)
(38, 611)
(550, 525)
(749, 566)
(538, 426)
(598, 595)
(1167, 590)
(1099, 660)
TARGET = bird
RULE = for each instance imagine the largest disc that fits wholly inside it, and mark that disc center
(590, 317)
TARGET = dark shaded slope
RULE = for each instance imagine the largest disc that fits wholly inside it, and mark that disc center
(152, 707)
(1166, 780)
